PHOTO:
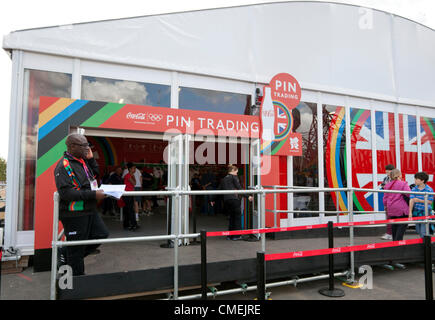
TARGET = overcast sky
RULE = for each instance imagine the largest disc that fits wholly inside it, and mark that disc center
(24, 14)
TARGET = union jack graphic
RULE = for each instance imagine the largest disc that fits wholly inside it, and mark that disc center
(361, 129)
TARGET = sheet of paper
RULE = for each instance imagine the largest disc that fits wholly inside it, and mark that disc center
(113, 190)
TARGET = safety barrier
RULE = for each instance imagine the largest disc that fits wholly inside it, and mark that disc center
(262, 257)
(331, 291)
(177, 195)
(2, 208)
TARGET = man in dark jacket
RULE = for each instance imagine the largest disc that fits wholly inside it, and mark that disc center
(232, 201)
(75, 177)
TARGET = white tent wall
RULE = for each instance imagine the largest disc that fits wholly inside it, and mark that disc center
(328, 47)
(414, 61)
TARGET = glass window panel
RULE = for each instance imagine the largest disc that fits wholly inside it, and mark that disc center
(334, 137)
(428, 147)
(305, 167)
(37, 83)
(361, 151)
(214, 101)
(385, 147)
(123, 91)
(408, 146)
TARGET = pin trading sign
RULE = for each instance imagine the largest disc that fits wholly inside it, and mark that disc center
(279, 98)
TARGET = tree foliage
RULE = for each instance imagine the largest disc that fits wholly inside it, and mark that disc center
(2, 170)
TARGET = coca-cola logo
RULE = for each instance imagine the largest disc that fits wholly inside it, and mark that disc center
(144, 116)
(298, 254)
(136, 116)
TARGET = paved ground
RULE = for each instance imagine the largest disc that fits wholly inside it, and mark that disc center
(406, 284)
(396, 285)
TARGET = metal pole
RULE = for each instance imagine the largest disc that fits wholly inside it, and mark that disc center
(263, 221)
(351, 235)
(169, 217)
(426, 213)
(169, 201)
(203, 264)
(194, 212)
(176, 243)
(331, 291)
(337, 206)
(428, 267)
(274, 208)
(1, 255)
(54, 247)
(254, 287)
(331, 256)
(261, 276)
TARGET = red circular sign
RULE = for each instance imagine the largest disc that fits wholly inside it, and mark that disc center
(286, 89)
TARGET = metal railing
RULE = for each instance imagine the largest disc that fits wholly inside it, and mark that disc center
(2, 208)
(177, 195)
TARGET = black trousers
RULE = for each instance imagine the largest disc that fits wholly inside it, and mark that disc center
(398, 230)
(88, 227)
(232, 206)
(129, 214)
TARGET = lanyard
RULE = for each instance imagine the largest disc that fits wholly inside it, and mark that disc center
(88, 173)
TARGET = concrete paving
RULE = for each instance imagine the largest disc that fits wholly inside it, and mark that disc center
(397, 284)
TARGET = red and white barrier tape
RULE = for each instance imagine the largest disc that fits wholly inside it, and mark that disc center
(310, 253)
(315, 226)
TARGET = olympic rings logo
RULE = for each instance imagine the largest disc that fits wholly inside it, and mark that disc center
(155, 117)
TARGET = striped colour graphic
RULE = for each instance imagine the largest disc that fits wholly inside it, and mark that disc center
(56, 117)
(360, 129)
(53, 132)
(335, 157)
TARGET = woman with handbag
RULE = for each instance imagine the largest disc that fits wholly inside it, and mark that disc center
(396, 204)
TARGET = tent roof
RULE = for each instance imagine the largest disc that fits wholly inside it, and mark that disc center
(326, 46)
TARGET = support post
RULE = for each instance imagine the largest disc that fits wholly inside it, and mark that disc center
(177, 216)
(331, 291)
(274, 208)
(53, 293)
(428, 283)
(203, 265)
(426, 213)
(1, 255)
(261, 276)
(169, 201)
(351, 235)
(194, 213)
(263, 221)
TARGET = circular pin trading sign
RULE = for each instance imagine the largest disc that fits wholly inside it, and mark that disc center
(285, 89)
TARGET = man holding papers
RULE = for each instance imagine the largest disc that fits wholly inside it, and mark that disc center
(75, 177)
